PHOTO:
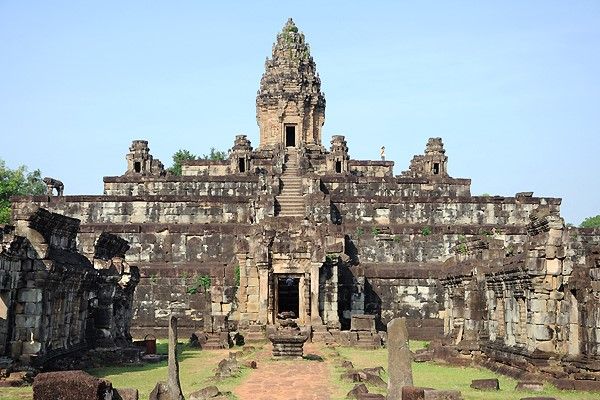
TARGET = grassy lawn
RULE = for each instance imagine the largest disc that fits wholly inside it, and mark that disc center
(197, 371)
(440, 376)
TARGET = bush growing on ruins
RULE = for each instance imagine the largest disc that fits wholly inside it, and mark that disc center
(179, 157)
(215, 155)
(375, 231)
(359, 232)
(17, 182)
(591, 222)
(201, 282)
(426, 231)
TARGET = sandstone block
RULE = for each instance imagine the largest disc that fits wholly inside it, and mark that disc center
(70, 385)
(485, 384)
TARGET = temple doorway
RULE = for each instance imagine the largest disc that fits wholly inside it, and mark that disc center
(290, 136)
(288, 295)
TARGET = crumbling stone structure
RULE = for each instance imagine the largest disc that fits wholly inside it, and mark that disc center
(53, 300)
(291, 226)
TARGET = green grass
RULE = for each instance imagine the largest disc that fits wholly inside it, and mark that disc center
(441, 376)
(197, 371)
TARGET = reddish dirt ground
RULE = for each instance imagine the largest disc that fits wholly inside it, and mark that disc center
(300, 379)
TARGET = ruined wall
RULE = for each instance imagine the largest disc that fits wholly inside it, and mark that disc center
(540, 304)
(221, 184)
(494, 211)
(53, 299)
(393, 188)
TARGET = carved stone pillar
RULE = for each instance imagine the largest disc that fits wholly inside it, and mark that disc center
(315, 318)
(263, 292)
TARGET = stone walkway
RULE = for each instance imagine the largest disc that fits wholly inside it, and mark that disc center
(287, 379)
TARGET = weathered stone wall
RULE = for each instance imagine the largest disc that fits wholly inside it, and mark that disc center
(540, 304)
(222, 184)
(144, 209)
(395, 188)
(494, 211)
(53, 299)
(371, 168)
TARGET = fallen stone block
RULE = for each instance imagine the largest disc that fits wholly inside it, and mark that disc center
(485, 384)
(356, 391)
(423, 355)
(413, 393)
(209, 392)
(70, 385)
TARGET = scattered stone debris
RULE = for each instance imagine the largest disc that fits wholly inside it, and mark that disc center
(228, 367)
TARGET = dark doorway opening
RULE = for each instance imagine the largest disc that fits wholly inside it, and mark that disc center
(290, 136)
(242, 164)
(436, 168)
(137, 166)
(288, 295)
(338, 167)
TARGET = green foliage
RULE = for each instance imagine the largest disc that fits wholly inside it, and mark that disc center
(17, 182)
(397, 238)
(179, 157)
(153, 278)
(201, 282)
(215, 155)
(236, 275)
(591, 222)
(462, 248)
(426, 231)
(375, 231)
(359, 231)
(185, 155)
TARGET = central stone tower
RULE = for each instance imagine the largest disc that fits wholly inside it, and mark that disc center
(290, 108)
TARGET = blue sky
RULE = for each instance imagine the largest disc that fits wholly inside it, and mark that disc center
(512, 87)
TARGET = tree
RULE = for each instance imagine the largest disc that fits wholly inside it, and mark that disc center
(185, 155)
(215, 155)
(591, 222)
(178, 158)
(17, 182)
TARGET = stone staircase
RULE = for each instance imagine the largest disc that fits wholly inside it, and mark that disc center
(290, 200)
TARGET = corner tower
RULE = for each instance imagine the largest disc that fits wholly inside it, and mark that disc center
(290, 108)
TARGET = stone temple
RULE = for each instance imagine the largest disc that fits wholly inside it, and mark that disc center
(296, 225)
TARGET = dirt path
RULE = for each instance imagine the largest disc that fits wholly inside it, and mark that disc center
(300, 379)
